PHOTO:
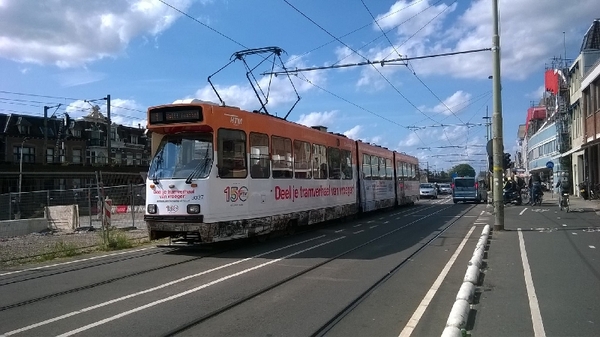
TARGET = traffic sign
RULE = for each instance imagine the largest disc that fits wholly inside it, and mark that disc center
(550, 165)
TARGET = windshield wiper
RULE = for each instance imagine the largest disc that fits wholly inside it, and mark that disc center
(199, 168)
(200, 165)
(154, 176)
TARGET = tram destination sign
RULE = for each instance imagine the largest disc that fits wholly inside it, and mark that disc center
(174, 115)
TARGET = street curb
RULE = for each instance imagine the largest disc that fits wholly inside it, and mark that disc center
(457, 320)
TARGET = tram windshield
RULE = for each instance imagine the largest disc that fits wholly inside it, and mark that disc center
(183, 156)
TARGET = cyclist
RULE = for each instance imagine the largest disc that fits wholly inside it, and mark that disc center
(535, 187)
(563, 188)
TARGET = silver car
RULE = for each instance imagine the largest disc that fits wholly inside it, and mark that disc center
(428, 191)
(445, 189)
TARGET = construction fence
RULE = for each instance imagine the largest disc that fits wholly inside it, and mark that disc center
(117, 206)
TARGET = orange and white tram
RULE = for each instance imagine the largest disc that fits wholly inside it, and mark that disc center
(220, 173)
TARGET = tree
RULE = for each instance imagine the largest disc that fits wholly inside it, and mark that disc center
(463, 170)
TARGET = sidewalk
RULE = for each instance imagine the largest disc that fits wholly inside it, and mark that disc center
(528, 283)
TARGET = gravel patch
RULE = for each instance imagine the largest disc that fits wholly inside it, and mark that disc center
(47, 245)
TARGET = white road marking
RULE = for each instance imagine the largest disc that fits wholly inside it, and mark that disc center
(480, 223)
(414, 320)
(357, 225)
(386, 222)
(523, 211)
(119, 299)
(193, 290)
(564, 225)
(339, 230)
(574, 233)
(536, 316)
(593, 247)
(360, 231)
(373, 226)
(74, 261)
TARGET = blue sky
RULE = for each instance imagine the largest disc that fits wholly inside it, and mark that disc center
(144, 53)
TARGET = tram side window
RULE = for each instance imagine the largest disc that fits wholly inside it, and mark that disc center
(389, 170)
(319, 161)
(375, 168)
(260, 165)
(399, 170)
(333, 159)
(366, 167)
(282, 157)
(381, 168)
(302, 154)
(346, 160)
(232, 154)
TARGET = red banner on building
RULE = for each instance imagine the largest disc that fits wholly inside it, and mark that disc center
(551, 80)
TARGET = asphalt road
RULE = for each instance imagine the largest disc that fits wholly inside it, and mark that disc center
(543, 275)
(364, 277)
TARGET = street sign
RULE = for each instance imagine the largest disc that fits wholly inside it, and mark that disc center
(454, 175)
(550, 165)
(489, 148)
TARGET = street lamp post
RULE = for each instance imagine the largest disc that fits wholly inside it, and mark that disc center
(498, 142)
(21, 171)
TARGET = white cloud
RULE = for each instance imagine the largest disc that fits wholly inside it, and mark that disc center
(318, 118)
(123, 111)
(528, 44)
(454, 103)
(354, 132)
(72, 33)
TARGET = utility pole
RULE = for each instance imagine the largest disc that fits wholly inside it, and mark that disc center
(498, 142)
(45, 151)
(108, 128)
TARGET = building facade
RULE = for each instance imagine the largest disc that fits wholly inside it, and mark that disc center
(60, 153)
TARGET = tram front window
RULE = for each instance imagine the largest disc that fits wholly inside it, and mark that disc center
(183, 156)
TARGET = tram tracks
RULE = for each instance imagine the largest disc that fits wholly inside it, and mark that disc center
(346, 310)
(407, 213)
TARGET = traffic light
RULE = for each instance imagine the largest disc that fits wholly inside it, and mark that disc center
(506, 164)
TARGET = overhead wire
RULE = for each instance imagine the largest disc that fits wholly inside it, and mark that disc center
(357, 53)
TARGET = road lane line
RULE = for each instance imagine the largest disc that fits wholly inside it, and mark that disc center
(193, 290)
(339, 230)
(593, 247)
(523, 211)
(360, 231)
(536, 316)
(357, 225)
(164, 285)
(414, 320)
(373, 226)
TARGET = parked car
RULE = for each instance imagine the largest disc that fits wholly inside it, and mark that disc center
(427, 190)
(468, 189)
(445, 189)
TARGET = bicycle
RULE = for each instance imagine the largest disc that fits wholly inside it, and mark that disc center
(564, 202)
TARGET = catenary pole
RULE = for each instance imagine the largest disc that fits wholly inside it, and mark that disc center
(498, 143)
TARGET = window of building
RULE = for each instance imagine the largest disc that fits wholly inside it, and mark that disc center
(319, 161)
(302, 155)
(28, 154)
(138, 159)
(134, 139)
(366, 167)
(76, 156)
(232, 154)
(282, 157)
(346, 161)
(77, 133)
(24, 129)
(260, 163)
(129, 158)
(49, 155)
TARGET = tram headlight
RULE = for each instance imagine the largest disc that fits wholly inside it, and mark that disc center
(152, 208)
(193, 209)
